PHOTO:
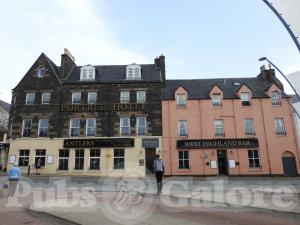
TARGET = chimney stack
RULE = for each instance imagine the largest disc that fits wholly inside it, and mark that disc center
(160, 63)
(67, 64)
(269, 74)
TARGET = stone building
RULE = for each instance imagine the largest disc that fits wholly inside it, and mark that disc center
(232, 126)
(4, 146)
(87, 120)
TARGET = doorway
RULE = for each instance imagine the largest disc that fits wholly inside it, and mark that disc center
(222, 162)
(289, 164)
(149, 158)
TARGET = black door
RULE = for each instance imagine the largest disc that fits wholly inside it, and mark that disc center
(150, 156)
(289, 166)
(222, 162)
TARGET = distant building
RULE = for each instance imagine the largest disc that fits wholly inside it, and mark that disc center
(296, 110)
(4, 146)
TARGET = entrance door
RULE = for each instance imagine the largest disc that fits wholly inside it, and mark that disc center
(289, 166)
(222, 162)
(149, 158)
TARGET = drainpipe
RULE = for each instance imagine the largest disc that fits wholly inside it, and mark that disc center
(233, 111)
(169, 136)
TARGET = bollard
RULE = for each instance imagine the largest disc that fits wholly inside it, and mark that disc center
(28, 172)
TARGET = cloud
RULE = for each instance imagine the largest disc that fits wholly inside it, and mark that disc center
(31, 27)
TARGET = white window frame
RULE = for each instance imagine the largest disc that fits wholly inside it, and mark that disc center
(245, 99)
(184, 159)
(275, 97)
(71, 127)
(182, 128)
(23, 127)
(279, 126)
(40, 156)
(90, 96)
(88, 127)
(25, 156)
(43, 127)
(74, 97)
(181, 100)
(219, 128)
(45, 97)
(254, 158)
(87, 73)
(119, 157)
(124, 127)
(30, 96)
(249, 130)
(216, 99)
(80, 150)
(95, 157)
(133, 72)
(141, 97)
(40, 73)
(138, 125)
(63, 158)
(124, 96)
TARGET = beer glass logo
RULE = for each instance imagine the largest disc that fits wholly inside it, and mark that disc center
(125, 202)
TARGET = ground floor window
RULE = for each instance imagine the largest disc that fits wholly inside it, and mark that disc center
(24, 157)
(79, 159)
(118, 158)
(40, 154)
(63, 161)
(95, 159)
(183, 157)
(253, 158)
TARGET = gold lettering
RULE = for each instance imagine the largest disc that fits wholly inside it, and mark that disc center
(116, 106)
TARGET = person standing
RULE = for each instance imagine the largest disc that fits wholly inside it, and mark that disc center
(159, 170)
(14, 175)
(38, 166)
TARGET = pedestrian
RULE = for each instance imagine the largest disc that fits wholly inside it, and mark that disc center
(159, 170)
(14, 175)
(38, 166)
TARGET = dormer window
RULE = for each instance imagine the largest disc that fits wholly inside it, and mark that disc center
(87, 72)
(41, 72)
(245, 97)
(133, 72)
(275, 96)
(216, 99)
(181, 100)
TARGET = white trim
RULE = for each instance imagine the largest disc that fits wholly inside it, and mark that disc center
(86, 127)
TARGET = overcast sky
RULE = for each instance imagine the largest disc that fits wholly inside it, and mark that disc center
(200, 38)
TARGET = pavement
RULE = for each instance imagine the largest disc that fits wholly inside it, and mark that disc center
(184, 200)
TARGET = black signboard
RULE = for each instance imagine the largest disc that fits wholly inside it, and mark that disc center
(218, 143)
(99, 143)
(150, 143)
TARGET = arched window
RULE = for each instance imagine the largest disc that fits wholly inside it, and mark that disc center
(133, 72)
(87, 73)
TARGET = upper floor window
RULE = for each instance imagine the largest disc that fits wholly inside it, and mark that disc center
(91, 127)
(26, 129)
(181, 100)
(92, 97)
(141, 124)
(124, 96)
(279, 125)
(76, 97)
(43, 128)
(133, 72)
(216, 99)
(182, 128)
(46, 97)
(41, 72)
(30, 98)
(141, 96)
(245, 97)
(275, 96)
(87, 72)
(74, 127)
(249, 126)
(219, 128)
(125, 126)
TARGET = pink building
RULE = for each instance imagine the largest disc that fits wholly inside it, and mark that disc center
(240, 126)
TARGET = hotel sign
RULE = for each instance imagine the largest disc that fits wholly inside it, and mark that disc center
(99, 143)
(217, 143)
(103, 107)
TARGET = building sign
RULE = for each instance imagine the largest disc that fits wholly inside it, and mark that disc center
(103, 107)
(217, 143)
(150, 143)
(99, 143)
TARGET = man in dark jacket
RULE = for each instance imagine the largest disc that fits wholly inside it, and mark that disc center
(159, 170)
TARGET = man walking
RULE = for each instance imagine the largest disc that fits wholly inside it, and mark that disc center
(158, 169)
(14, 175)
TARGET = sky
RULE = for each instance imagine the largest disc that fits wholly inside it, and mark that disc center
(199, 38)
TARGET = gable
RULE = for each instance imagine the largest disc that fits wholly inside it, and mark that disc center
(216, 90)
(180, 90)
(244, 88)
(31, 81)
(272, 88)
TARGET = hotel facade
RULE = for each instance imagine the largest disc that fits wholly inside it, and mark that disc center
(235, 126)
(87, 120)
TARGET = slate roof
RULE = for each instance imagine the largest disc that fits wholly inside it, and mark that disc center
(5, 105)
(200, 88)
(115, 73)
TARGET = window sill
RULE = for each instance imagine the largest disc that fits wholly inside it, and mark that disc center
(255, 168)
(281, 134)
(181, 106)
(181, 169)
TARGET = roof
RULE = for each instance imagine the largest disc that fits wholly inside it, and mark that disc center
(5, 105)
(115, 73)
(200, 88)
